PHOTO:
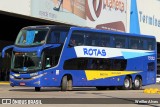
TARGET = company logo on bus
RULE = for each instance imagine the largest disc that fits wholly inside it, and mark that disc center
(94, 52)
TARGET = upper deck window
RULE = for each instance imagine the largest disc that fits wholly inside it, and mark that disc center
(136, 43)
(102, 39)
(57, 37)
(150, 44)
(79, 38)
(119, 41)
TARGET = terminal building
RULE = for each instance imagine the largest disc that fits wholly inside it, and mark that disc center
(129, 16)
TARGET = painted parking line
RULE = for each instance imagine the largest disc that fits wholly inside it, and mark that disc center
(4, 83)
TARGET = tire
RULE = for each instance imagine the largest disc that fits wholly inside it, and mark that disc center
(66, 83)
(127, 85)
(37, 89)
(101, 88)
(137, 83)
(69, 87)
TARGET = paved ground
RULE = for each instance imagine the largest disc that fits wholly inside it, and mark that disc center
(115, 96)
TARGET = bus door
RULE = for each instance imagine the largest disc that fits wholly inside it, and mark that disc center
(50, 58)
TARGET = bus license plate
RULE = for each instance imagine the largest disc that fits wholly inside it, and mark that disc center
(22, 84)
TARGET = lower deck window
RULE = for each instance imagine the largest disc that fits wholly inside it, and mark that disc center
(95, 64)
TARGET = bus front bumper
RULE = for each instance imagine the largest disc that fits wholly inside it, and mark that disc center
(21, 80)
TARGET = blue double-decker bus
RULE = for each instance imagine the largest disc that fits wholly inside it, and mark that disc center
(66, 57)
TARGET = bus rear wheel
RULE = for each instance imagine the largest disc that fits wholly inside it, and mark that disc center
(37, 88)
(137, 83)
(66, 83)
(127, 85)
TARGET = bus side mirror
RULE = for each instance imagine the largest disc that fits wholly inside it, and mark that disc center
(6, 49)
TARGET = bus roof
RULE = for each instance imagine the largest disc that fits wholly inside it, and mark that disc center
(47, 26)
(88, 29)
(113, 32)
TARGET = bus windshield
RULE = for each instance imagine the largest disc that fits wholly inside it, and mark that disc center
(26, 61)
(31, 37)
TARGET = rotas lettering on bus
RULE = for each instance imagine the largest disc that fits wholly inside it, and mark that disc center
(94, 52)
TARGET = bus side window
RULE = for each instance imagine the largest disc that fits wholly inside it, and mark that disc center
(141, 42)
(103, 43)
(39, 37)
(118, 45)
(134, 46)
(133, 43)
(75, 64)
(57, 37)
(119, 42)
(104, 40)
(136, 43)
(52, 38)
(94, 39)
(82, 63)
(77, 39)
(93, 42)
(62, 37)
(80, 41)
(88, 41)
(72, 42)
(93, 65)
(48, 62)
(150, 45)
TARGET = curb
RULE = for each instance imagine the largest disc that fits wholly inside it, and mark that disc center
(4, 83)
(151, 91)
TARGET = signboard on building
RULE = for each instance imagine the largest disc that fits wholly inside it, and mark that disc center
(101, 14)
(107, 14)
(145, 18)
(64, 11)
(16, 6)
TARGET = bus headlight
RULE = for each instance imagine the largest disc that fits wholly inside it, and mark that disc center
(11, 76)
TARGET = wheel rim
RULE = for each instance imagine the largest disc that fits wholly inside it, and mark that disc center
(137, 83)
(126, 83)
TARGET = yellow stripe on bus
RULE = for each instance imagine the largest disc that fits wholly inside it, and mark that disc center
(99, 74)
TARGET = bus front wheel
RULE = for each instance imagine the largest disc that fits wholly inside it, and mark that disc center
(37, 88)
(137, 83)
(66, 83)
(127, 83)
